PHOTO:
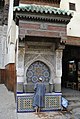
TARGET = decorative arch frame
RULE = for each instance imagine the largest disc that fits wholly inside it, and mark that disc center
(36, 70)
(46, 62)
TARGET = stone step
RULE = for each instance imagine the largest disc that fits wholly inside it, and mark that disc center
(73, 99)
(71, 95)
(74, 105)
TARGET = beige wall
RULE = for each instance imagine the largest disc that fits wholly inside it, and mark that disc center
(73, 28)
(12, 36)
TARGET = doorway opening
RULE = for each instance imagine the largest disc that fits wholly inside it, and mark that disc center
(71, 67)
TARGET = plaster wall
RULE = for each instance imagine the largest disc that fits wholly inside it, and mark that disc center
(10, 15)
(12, 38)
(73, 28)
(3, 32)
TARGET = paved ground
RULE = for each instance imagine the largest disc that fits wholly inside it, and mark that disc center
(8, 109)
(7, 104)
(73, 114)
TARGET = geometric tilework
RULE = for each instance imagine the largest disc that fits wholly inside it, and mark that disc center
(24, 103)
(52, 102)
(38, 69)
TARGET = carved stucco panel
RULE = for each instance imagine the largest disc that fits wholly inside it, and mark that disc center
(29, 57)
(59, 62)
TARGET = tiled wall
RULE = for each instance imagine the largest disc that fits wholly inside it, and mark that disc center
(52, 102)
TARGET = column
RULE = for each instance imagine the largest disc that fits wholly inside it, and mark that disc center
(20, 69)
(58, 70)
(59, 52)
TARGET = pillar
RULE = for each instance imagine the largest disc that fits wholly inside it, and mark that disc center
(59, 52)
(20, 68)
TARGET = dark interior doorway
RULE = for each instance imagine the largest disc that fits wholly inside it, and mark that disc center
(70, 65)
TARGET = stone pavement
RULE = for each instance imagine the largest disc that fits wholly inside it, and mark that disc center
(8, 109)
(42, 115)
(73, 114)
(7, 104)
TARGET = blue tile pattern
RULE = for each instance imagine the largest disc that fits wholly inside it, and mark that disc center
(36, 70)
(24, 103)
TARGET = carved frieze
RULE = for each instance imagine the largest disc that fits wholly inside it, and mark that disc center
(39, 47)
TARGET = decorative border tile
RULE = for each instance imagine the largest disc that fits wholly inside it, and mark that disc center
(52, 102)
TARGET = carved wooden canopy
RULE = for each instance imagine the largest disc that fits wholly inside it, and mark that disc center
(42, 13)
